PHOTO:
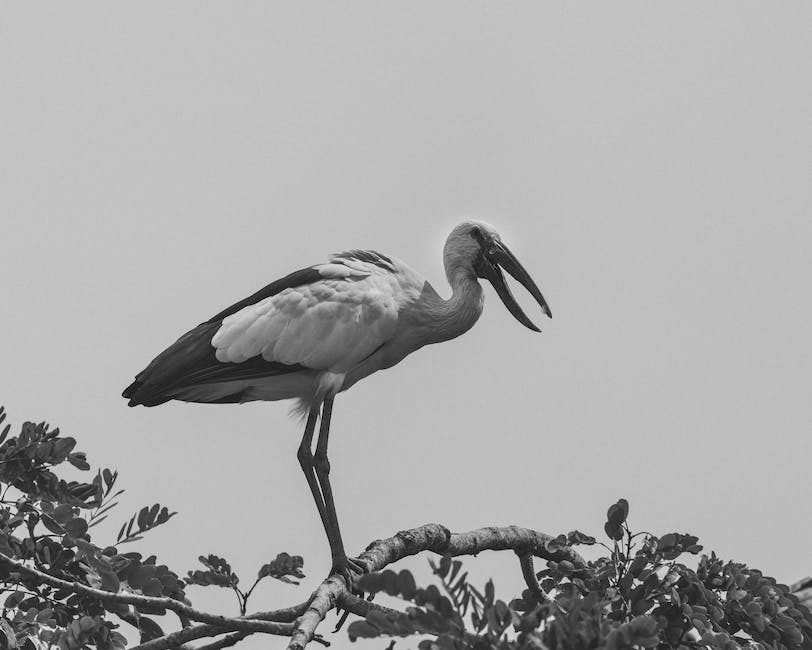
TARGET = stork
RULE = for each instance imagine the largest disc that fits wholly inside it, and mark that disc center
(319, 330)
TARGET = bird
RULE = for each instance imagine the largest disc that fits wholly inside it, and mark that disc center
(318, 331)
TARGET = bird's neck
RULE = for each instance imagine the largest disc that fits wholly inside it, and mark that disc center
(458, 314)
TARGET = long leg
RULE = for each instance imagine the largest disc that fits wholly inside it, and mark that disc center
(341, 562)
(305, 456)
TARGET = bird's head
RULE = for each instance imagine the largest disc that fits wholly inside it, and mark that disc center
(475, 249)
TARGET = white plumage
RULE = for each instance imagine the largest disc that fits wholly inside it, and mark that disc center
(331, 324)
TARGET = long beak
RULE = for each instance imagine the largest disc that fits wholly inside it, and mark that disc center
(501, 256)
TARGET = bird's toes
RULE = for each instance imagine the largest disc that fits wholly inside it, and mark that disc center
(350, 569)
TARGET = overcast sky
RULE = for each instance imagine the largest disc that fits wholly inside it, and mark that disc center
(649, 163)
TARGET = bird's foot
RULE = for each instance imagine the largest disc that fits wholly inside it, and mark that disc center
(350, 569)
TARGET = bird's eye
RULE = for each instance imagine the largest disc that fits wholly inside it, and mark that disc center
(476, 233)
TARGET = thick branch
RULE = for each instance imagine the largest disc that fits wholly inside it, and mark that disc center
(226, 642)
(431, 537)
(325, 599)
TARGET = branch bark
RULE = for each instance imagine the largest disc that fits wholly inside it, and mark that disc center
(430, 537)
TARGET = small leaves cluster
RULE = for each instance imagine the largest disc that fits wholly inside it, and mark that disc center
(46, 527)
(145, 519)
(45, 523)
(434, 612)
(218, 572)
(636, 596)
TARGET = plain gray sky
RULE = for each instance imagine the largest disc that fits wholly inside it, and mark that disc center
(650, 164)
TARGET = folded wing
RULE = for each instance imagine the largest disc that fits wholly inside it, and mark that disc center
(327, 317)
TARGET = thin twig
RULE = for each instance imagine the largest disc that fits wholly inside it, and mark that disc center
(202, 631)
(285, 616)
(361, 606)
(176, 606)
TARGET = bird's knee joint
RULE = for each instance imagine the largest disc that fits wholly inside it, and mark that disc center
(305, 456)
(322, 463)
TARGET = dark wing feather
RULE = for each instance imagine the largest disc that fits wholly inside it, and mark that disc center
(191, 359)
(372, 257)
(296, 279)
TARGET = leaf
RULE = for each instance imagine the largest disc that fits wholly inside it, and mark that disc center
(444, 566)
(110, 581)
(86, 624)
(14, 599)
(139, 574)
(618, 512)
(149, 629)
(8, 640)
(455, 568)
(667, 541)
(51, 524)
(76, 527)
(284, 565)
(362, 630)
(5, 548)
(61, 448)
(45, 615)
(406, 584)
(63, 513)
(153, 587)
(79, 460)
(637, 565)
(613, 531)
(143, 516)
(576, 537)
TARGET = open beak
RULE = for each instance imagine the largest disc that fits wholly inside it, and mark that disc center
(497, 256)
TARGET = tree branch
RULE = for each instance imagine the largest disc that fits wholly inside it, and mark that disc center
(226, 642)
(284, 616)
(244, 627)
(430, 537)
(301, 621)
(438, 539)
(529, 574)
(223, 622)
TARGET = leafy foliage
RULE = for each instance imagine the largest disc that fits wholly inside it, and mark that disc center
(637, 596)
(46, 523)
(58, 581)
